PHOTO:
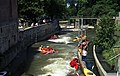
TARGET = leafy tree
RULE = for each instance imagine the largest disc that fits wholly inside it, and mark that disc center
(55, 8)
(105, 32)
(30, 9)
(97, 8)
(104, 7)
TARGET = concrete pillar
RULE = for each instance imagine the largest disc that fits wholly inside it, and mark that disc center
(98, 20)
(74, 23)
(77, 23)
(81, 25)
(119, 14)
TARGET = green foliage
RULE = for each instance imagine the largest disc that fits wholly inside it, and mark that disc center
(117, 27)
(108, 54)
(32, 9)
(96, 8)
(104, 8)
(105, 33)
(54, 8)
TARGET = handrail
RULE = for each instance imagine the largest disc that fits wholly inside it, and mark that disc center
(101, 70)
(114, 57)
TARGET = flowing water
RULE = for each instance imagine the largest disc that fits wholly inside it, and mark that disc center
(56, 64)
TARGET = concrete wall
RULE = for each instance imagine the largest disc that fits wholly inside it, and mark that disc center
(8, 30)
(8, 24)
(8, 10)
(8, 36)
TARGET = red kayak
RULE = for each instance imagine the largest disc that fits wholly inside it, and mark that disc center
(46, 50)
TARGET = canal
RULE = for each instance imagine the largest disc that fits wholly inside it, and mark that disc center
(56, 64)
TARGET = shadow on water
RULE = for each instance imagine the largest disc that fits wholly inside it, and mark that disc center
(30, 57)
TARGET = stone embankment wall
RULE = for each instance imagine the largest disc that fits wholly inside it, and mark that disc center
(16, 55)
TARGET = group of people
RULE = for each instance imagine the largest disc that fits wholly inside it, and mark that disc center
(46, 50)
(82, 49)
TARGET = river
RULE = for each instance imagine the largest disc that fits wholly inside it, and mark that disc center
(56, 64)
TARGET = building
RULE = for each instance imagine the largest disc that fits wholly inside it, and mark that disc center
(8, 29)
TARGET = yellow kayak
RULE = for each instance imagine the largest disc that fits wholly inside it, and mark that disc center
(76, 39)
(87, 72)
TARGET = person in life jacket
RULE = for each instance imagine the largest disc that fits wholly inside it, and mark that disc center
(84, 55)
(50, 50)
(54, 37)
(74, 63)
(82, 35)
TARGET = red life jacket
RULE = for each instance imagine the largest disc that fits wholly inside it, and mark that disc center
(74, 63)
(81, 46)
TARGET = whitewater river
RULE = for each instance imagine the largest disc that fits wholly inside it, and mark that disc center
(56, 64)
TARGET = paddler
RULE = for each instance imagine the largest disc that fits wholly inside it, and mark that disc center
(74, 63)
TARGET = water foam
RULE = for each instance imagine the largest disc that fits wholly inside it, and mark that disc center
(59, 67)
(65, 40)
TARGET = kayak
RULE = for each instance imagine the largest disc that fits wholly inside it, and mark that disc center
(87, 72)
(46, 50)
(77, 39)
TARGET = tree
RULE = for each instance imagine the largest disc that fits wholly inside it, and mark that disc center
(104, 7)
(97, 8)
(30, 9)
(105, 32)
(54, 8)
